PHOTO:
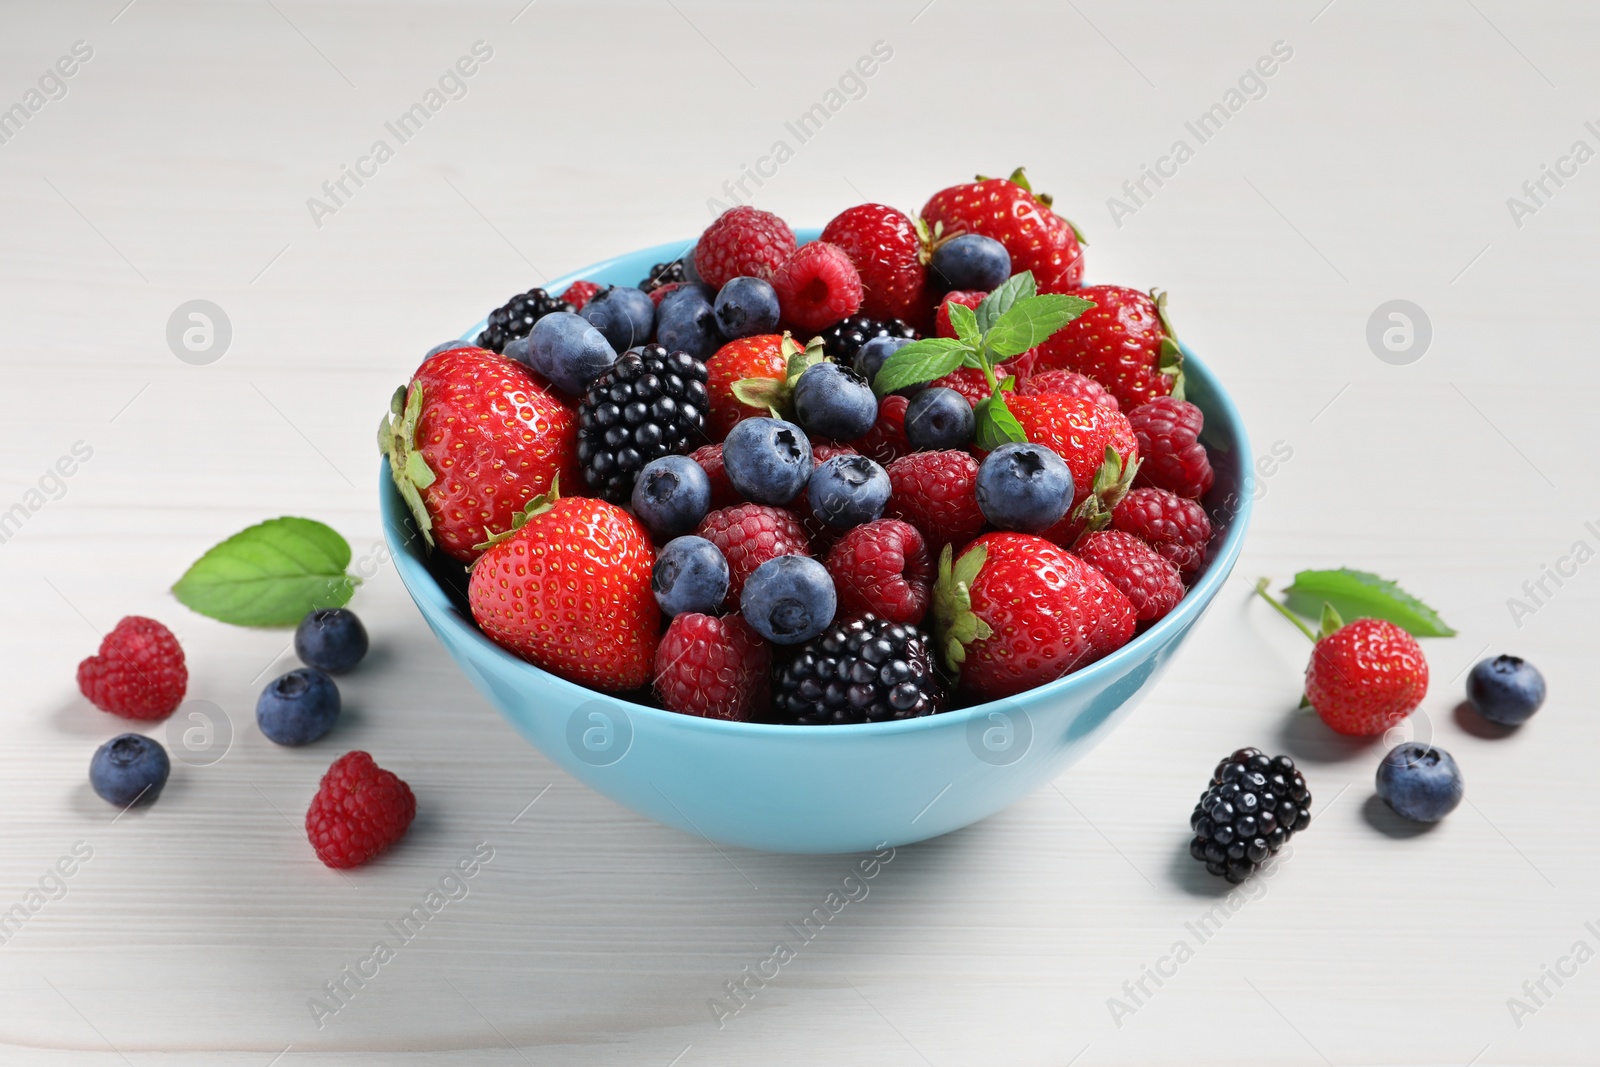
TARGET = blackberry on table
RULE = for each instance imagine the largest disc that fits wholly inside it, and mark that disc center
(864, 669)
(844, 338)
(516, 317)
(663, 274)
(651, 403)
(1254, 804)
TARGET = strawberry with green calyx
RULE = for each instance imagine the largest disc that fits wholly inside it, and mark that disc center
(568, 590)
(1126, 343)
(1010, 321)
(1017, 612)
(1009, 211)
(1099, 447)
(1365, 676)
(763, 356)
(774, 394)
(470, 441)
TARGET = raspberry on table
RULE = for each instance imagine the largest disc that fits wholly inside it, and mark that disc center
(937, 492)
(1253, 805)
(712, 667)
(1149, 580)
(139, 672)
(883, 567)
(817, 286)
(1174, 526)
(750, 534)
(359, 811)
(743, 242)
(1168, 430)
(864, 669)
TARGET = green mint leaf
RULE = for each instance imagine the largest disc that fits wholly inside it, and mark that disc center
(996, 425)
(1032, 319)
(270, 574)
(1360, 594)
(965, 322)
(997, 303)
(920, 361)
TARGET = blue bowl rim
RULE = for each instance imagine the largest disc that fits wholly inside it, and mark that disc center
(1188, 611)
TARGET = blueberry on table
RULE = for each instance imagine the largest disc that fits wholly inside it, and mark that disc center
(690, 575)
(1420, 782)
(1505, 690)
(299, 707)
(129, 768)
(330, 639)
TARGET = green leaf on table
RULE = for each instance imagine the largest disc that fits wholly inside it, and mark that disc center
(1031, 320)
(918, 362)
(996, 425)
(270, 574)
(1017, 287)
(1360, 594)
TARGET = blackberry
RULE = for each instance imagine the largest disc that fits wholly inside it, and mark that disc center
(844, 338)
(865, 669)
(663, 274)
(516, 317)
(651, 403)
(1254, 804)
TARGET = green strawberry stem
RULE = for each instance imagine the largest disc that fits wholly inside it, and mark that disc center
(397, 439)
(1261, 587)
(955, 623)
(536, 506)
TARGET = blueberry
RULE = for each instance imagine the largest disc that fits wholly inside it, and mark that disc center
(848, 491)
(687, 291)
(690, 574)
(746, 307)
(1024, 487)
(939, 418)
(789, 599)
(671, 495)
(767, 460)
(518, 348)
(688, 324)
(834, 401)
(689, 273)
(570, 352)
(875, 353)
(298, 707)
(1506, 690)
(623, 314)
(128, 768)
(1420, 782)
(971, 261)
(446, 346)
(330, 639)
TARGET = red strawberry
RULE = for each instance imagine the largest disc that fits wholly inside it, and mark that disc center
(139, 672)
(761, 356)
(886, 441)
(569, 591)
(887, 252)
(750, 534)
(882, 567)
(941, 318)
(723, 494)
(742, 242)
(359, 810)
(712, 667)
(1175, 527)
(1366, 676)
(1124, 342)
(474, 438)
(1007, 210)
(817, 286)
(1168, 430)
(1016, 612)
(937, 492)
(578, 293)
(1149, 581)
(1068, 383)
(1098, 447)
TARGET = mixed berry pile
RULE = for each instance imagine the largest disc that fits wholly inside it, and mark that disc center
(910, 465)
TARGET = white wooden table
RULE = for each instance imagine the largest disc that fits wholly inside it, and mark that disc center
(1374, 164)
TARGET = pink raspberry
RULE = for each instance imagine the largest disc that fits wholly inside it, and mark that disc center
(882, 567)
(1169, 441)
(359, 811)
(817, 286)
(750, 534)
(742, 242)
(1149, 581)
(1174, 526)
(712, 667)
(139, 672)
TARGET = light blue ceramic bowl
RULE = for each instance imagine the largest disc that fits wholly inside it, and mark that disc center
(824, 789)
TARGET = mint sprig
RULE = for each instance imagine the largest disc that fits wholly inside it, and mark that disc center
(1009, 321)
(270, 574)
(1362, 594)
